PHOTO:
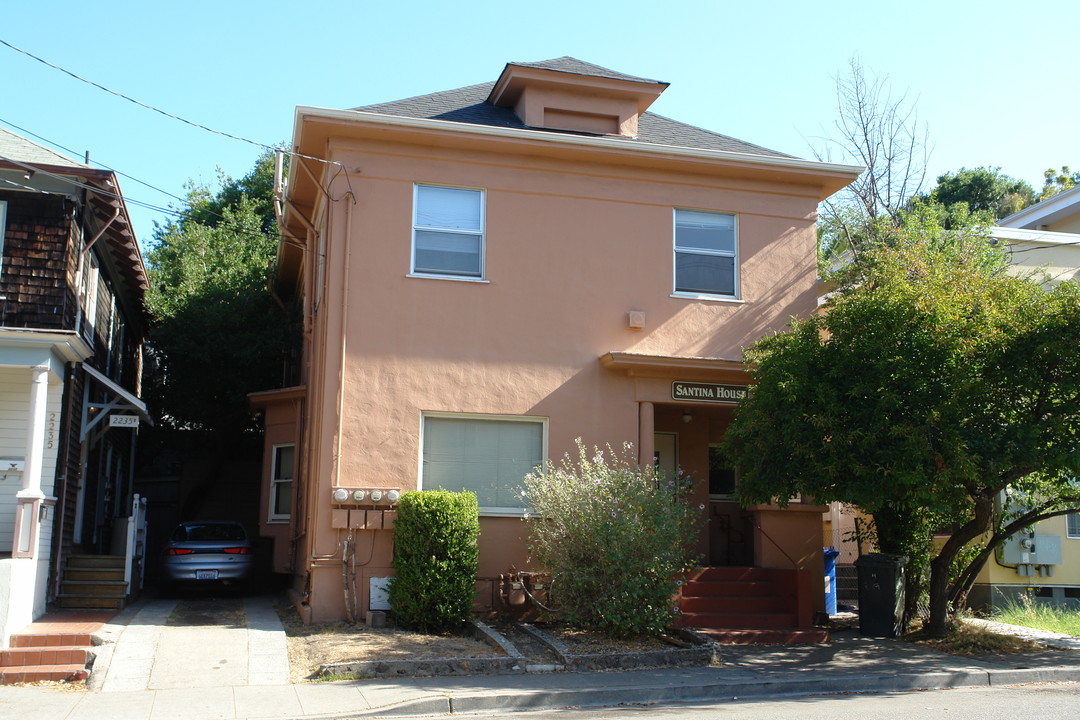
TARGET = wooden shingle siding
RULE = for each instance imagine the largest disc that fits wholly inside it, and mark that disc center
(35, 265)
(69, 465)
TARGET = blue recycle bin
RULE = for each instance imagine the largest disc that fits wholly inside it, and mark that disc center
(830, 579)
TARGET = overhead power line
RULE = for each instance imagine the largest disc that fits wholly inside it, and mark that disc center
(223, 222)
(95, 162)
(170, 115)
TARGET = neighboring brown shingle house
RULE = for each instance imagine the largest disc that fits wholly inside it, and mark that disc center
(71, 329)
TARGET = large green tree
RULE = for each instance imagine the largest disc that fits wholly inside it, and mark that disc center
(216, 332)
(932, 384)
(983, 190)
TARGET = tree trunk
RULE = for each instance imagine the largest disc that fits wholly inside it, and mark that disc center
(940, 565)
(939, 594)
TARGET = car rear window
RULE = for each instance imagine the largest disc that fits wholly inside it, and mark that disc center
(209, 531)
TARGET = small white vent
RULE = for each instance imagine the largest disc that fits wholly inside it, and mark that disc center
(379, 593)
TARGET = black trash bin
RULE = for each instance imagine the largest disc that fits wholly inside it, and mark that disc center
(881, 594)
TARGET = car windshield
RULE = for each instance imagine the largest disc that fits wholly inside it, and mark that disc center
(210, 531)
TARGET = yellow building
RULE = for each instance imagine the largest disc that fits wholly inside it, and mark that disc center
(1044, 563)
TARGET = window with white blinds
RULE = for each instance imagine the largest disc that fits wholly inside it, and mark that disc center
(487, 455)
(448, 232)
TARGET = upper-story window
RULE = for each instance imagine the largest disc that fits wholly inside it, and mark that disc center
(448, 232)
(706, 254)
(3, 226)
(1072, 525)
(3, 223)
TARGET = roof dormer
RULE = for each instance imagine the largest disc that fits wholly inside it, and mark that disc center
(571, 95)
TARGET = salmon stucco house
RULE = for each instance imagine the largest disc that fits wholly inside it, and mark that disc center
(490, 272)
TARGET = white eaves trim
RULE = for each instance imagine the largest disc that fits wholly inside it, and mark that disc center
(600, 143)
(1042, 237)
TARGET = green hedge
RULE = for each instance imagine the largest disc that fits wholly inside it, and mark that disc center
(435, 556)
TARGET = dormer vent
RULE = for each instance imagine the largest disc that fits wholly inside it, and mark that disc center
(567, 94)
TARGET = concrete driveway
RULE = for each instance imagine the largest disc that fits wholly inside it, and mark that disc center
(194, 642)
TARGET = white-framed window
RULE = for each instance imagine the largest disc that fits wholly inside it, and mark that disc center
(706, 254)
(1072, 525)
(487, 454)
(3, 227)
(281, 481)
(448, 232)
(91, 278)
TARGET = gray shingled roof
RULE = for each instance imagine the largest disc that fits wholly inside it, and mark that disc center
(469, 105)
(16, 147)
(568, 64)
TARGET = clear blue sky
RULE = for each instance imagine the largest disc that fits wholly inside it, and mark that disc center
(994, 82)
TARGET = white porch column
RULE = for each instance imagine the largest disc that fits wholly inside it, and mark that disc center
(29, 498)
(646, 434)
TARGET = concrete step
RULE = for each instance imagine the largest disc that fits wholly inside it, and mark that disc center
(95, 561)
(78, 600)
(22, 641)
(109, 574)
(738, 620)
(108, 588)
(766, 636)
(735, 604)
(52, 655)
(732, 574)
(727, 588)
(39, 673)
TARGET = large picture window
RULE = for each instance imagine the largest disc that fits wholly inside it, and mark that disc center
(706, 257)
(448, 232)
(281, 482)
(487, 455)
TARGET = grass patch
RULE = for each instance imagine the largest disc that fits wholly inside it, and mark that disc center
(1040, 616)
(967, 639)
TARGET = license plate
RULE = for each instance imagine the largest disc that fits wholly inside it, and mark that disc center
(206, 574)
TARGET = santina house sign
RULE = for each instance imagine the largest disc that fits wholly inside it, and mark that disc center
(708, 392)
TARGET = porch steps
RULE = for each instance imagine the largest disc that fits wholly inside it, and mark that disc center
(742, 605)
(58, 647)
(93, 581)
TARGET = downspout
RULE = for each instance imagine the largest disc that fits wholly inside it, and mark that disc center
(344, 316)
(347, 556)
(336, 471)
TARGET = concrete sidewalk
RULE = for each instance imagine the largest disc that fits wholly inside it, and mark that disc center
(153, 671)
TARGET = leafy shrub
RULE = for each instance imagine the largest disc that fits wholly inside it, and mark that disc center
(615, 537)
(435, 556)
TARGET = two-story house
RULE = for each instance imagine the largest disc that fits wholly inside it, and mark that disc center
(71, 328)
(490, 272)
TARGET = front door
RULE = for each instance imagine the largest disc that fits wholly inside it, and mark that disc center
(667, 453)
(729, 526)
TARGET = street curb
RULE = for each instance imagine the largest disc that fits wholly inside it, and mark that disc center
(734, 690)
